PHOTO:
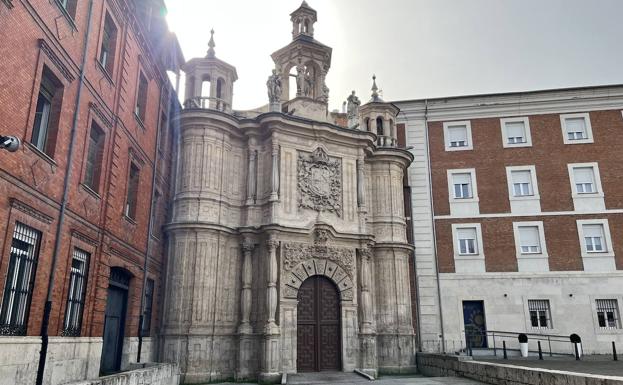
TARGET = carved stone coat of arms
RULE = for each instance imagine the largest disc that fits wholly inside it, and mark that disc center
(320, 182)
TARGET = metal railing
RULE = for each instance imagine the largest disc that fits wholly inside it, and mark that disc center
(551, 344)
(208, 103)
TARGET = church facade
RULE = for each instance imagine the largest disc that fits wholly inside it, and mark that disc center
(287, 241)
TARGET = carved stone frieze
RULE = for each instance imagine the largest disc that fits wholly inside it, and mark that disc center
(295, 253)
(320, 182)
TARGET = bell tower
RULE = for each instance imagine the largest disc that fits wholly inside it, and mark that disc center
(209, 81)
(306, 61)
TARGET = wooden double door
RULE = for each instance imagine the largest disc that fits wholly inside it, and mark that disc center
(318, 326)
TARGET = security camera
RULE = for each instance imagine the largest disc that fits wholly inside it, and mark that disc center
(9, 143)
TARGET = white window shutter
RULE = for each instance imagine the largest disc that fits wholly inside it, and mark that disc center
(457, 133)
(596, 231)
(515, 130)
(529, 236)
(575, 125)
(522, 177)
(584, 175)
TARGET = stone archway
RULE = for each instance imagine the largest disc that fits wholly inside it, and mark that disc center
(318, 326)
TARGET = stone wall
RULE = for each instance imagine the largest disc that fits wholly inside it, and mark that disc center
(69, 359)
(438, 365)
(152, 374)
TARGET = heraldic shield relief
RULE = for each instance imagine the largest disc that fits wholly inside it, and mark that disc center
(320, 182)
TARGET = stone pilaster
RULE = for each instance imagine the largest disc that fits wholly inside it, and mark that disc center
(251, 177)
(274, 194)
(245, 296)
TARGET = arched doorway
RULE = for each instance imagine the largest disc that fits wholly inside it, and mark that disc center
(318, 336)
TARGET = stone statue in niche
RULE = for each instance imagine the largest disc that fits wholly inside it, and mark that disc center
(320, 182)
(300, 78)
(352, 110)
(274, 87)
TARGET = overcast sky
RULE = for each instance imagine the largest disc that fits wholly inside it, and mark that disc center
(417, 48)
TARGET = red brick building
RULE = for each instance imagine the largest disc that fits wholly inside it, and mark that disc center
(518, 216)
(84, 85)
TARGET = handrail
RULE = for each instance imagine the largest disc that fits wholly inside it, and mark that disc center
(486, 336)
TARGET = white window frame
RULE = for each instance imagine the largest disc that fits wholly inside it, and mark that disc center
(535, 186)
(542, 244)
(528, 137)
(587, 122)
(599, 192)
(474, 185)
(479, 244)
(609, 251)
(446, 135)
(548, 315)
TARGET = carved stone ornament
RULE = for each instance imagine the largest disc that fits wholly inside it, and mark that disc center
(320, 182)
(295, 253)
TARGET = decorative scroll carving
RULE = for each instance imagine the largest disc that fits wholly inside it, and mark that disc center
(320, 182)
(56, 60)
(295, 253)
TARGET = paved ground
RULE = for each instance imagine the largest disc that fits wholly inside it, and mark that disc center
(603, 365)
(327, 378)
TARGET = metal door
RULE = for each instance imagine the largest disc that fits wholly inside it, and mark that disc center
(475, 324)
(114, 322)
(318, 326)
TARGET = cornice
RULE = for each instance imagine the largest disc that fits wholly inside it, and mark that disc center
(30, 211)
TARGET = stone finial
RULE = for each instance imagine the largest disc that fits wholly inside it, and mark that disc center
(211, 45)
(375, 93)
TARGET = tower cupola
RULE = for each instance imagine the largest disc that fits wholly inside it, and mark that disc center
(379, 117)
(303, 20)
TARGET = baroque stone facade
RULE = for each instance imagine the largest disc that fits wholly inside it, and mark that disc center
(268, 199)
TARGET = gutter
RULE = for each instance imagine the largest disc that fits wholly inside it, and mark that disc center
(47, 310)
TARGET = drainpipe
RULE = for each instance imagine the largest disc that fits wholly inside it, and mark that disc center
(47, 309)
(432, 210)
(151, 218)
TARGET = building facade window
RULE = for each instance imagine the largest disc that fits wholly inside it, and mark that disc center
(76, 294)
(69, 6)
(530, 246)
(132, 195)
(523, 189)
(95, 153)
(586, 187)
(594, 239)
(20, 280)
(468, 248)
(607, 313)
(584, 178)
(522, 183)
(540, 313)
(596, 245)
(141, 97)
(576, 128)
(108, 44)
(462, 184)
(47, 110)
(149, 300)
(458, 136)
(516, 132)
(529, 240)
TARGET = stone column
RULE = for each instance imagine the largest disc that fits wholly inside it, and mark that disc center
(271, 292)
(368, 324)
(274, 194)
(245, 296)
(245, 330)
(271, 358)
(361, 200)
(251, 177)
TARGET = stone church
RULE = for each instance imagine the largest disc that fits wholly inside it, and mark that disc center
(287, 243)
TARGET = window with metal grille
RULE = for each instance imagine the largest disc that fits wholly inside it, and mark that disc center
(608, 313)
(149, 300)
(540, 314)
(77, 292)
(20, 280)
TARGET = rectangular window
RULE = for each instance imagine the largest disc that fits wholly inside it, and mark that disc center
(607, 313)
(575, 128)
(584, 180)
(133, 179)
(467, 241)
(46, 113)
(109, 43)
(522, 183)
(69, 6)
(95, 153)
(457, 136)
(76, 294)
(149, 300)
(540, 315)
(515, 132)
(529, 241)
(141, 97)
(462, 185)
(19, 280)
(594, 238)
